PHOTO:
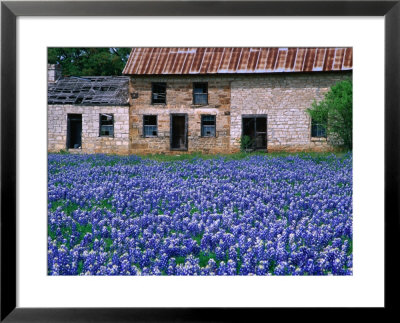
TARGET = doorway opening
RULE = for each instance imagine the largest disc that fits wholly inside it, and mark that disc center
(179, 130)
(74, 131)
(255, 126)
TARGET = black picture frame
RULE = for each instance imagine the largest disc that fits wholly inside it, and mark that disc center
(10, 10)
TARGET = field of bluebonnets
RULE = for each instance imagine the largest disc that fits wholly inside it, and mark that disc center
(260, 215)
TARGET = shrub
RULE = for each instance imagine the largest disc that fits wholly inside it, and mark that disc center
(246, 143)
(335, 112)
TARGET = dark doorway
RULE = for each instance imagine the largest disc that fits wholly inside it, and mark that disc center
(179, 132)
(74, 131)
(255, 126)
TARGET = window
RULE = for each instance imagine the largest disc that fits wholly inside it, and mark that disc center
(106, 125)
(207, 126)
(150, 126)
(158, 93)
(200, 93)
(318, 130)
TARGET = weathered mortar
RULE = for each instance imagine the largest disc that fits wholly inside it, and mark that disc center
(180, 100)
(91, 141)
(284, 98)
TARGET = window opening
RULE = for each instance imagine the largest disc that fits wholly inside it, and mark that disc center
(150, 126)
(318, 130)
(208, 126)
(106, 125)
(200, 93)
(158, 93)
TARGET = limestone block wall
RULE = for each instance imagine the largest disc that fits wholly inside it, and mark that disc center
(91, 141)
(179, 99)
(284, 98)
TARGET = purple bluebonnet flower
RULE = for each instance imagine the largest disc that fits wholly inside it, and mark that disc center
(262, 215)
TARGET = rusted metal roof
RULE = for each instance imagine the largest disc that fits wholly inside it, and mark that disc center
(226, 60)
(89, 90)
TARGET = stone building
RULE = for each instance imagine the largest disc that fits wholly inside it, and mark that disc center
(174, 100)
(88, 114)
(206, 99)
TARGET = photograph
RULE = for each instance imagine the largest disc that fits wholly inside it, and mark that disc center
(200, 161)
(198, 176)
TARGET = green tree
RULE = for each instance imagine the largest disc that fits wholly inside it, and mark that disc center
(94, 61)
(335, 112)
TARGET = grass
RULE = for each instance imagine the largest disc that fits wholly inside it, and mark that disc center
(51, 233)
(350, 251)
(80, 267)
(108, 242)
(67, 207)
(105, 204)
(56, 204)
(205, 257)
(320, 156)
(317, 156)
(180, 260)
(83, 229)
(235, 156)
(272, 267)
(198, 238)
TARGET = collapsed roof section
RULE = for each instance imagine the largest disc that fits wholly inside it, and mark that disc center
(89, 90)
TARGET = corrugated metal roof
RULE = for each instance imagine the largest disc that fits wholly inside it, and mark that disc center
(89, 90)
(225, 60)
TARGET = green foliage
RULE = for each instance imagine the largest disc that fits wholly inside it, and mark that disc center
(105, 204)
(180, 260)
(70, 207)
(108, 243)
(83, 229)
(239, 261)
(51, 233)
(194, 210)
(245, 143)
(89, 61)
(335, 112)
(80, 267)
(272, 267)
(198, 238)
(56, 204)
(204, 257)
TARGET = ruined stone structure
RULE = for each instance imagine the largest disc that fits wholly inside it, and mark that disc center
(88, 114)
(70, 120)
(175, 100)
